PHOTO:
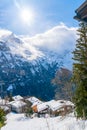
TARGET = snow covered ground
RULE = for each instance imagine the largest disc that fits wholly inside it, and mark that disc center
(20, 122)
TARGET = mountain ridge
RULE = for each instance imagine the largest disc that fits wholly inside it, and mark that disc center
(29, 69)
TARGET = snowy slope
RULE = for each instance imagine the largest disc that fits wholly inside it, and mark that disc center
(19, 122)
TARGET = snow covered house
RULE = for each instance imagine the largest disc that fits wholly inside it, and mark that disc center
(18, 106)
(60, 107)
(33, 102)
(40, 108)
(17, 98)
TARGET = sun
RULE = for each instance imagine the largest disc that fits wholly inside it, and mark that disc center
(27, 16)
(25, 13)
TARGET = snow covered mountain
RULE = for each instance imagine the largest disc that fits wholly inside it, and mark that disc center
(29, 67)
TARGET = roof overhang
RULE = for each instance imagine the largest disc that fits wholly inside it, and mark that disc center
(81, 12)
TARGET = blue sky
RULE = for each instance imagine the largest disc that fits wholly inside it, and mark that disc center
(46, 14)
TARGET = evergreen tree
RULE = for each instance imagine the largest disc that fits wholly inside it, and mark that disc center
(2, 118)
(80, 71)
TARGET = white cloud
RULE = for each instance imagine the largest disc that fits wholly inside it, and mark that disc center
(57, 39)
(4, 32)
(16, 45)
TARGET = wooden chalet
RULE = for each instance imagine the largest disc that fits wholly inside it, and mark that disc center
(81, 12)
(41, 109)
(60, 107)
(33, 102)
(18, 106)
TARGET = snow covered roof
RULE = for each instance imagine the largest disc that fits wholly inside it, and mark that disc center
(36, 103)
(33, 100)
(42, 107)
(55, 105)
(69, 103)
(17, 104)
(18, 97)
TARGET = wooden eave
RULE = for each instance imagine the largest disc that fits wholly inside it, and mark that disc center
(81, 7)
(81, 12)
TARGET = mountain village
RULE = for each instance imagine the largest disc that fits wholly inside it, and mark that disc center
(32, 106)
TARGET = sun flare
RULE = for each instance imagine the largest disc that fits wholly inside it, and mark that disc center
(27, 16)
